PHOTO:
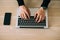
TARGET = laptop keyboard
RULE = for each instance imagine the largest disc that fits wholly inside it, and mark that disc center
(30, 22)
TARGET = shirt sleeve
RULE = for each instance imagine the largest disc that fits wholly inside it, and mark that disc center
(45, 3)
(20, 2)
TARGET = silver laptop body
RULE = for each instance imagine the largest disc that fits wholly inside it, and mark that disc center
(32, 10)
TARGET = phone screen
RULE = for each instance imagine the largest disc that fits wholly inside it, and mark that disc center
(7, 18)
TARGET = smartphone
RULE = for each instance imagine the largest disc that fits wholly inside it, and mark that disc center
(7, 18)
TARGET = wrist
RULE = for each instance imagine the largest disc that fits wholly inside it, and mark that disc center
(44, 8)
(21, 5)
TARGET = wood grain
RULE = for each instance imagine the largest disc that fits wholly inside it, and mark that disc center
(13, 33)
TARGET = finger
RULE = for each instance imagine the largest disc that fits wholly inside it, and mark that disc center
(43, 18)
(40, 18)
(27, 14)
(20, 16)
(37, 17)
(23, 16)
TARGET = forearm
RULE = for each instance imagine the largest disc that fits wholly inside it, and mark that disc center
(45, 3)
(20, 2)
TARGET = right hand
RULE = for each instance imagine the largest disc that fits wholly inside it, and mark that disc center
(24, 12)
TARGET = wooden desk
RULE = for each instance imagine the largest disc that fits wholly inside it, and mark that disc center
(13, 33)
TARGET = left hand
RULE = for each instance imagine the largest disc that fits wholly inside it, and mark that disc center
(40, 15)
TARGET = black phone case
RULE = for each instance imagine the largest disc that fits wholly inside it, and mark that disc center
(7, 18)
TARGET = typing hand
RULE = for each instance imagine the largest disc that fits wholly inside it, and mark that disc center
(24, 12)
(40, 15)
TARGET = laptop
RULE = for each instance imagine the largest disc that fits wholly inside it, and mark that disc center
(20, 23)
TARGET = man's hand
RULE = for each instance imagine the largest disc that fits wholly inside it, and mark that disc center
(40, 15)
(24, 12)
